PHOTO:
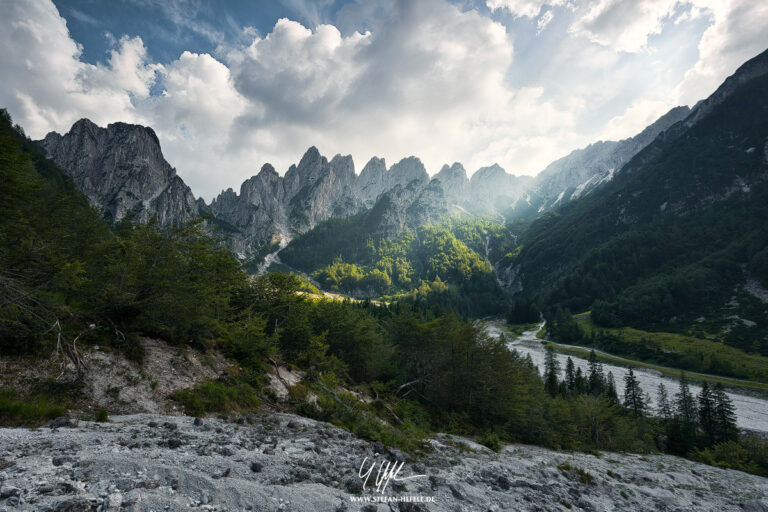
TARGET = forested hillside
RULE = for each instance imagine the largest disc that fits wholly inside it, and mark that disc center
(443, 265)
(678, 241)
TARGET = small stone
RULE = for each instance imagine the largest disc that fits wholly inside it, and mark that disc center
(755, 506)
(9, 491)
(113, 502)
(198, 422)
(352, 483)
(174, 443)
(79, 504)
(256, 467)
(60, 422)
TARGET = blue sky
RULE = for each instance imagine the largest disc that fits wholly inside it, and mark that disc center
(230, 85)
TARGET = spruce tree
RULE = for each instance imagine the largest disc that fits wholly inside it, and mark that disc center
(724, 416)
(684, 403)
(610, 389)
(634, 399)
(551, 371)
(663, 407)
(707, 413)
(596, 378)
(570, 376)
(581, 385)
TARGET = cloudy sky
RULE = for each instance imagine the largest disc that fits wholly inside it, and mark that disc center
(228, 86)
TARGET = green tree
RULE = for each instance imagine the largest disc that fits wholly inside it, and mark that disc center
(707, 419)
(724, 416)
(570, 376)
(634, 399)
(596, 379)
(551, 371)
(663, 407)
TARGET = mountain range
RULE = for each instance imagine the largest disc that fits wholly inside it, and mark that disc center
(121, 169)
(639, 230)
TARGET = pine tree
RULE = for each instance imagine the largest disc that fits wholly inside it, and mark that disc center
(634, 399)
(686, 408)
(663, 408)
(581, 385)
(570, 376)
(610, 389)
(724, 416)
(551, 371)
(596, 378)
(707, 413)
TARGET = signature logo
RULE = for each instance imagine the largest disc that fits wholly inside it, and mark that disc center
(388, 471)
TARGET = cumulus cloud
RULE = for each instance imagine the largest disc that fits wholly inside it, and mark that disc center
(529, 8)
(423, 78)
(46, 86)
(738, 32)
(428, 79)
(624, 25)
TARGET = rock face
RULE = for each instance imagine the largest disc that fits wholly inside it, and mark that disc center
(493, 189)
(583, 170)
(454, 182)
(283, 462)
(121, 169)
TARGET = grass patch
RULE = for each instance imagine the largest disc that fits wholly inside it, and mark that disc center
(576, 473)
(33, 412)
(731, 365)
(405, 429)
(217, 397)
(519, 329)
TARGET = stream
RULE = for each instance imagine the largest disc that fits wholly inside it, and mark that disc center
(751, 412)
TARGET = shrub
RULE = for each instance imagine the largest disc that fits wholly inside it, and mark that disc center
(217, 397)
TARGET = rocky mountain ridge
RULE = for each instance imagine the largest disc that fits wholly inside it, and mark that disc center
(121, 169)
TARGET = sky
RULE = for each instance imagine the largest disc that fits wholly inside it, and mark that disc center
(230, 85)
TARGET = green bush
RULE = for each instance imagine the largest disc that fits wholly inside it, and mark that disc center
(217, 397)
(14, 411)
(491, 440)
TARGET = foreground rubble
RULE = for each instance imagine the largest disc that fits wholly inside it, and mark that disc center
(283, 462)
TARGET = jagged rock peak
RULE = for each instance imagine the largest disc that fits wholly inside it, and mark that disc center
(407, 170)
(372, 181)
(268, 170)
(121, 168)
(494, 170)
(455, 171)
(374, 165)
(344, 166)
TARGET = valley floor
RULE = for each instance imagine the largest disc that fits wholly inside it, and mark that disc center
(751, 411)
(284, 462)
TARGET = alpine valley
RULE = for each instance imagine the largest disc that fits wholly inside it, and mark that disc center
(248, 352)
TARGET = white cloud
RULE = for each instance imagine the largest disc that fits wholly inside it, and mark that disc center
(529, 8)
(738, 32)
(426, 79)
(624, 25)
(45, 85)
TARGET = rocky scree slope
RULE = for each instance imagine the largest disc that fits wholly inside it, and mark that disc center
(285, 462)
